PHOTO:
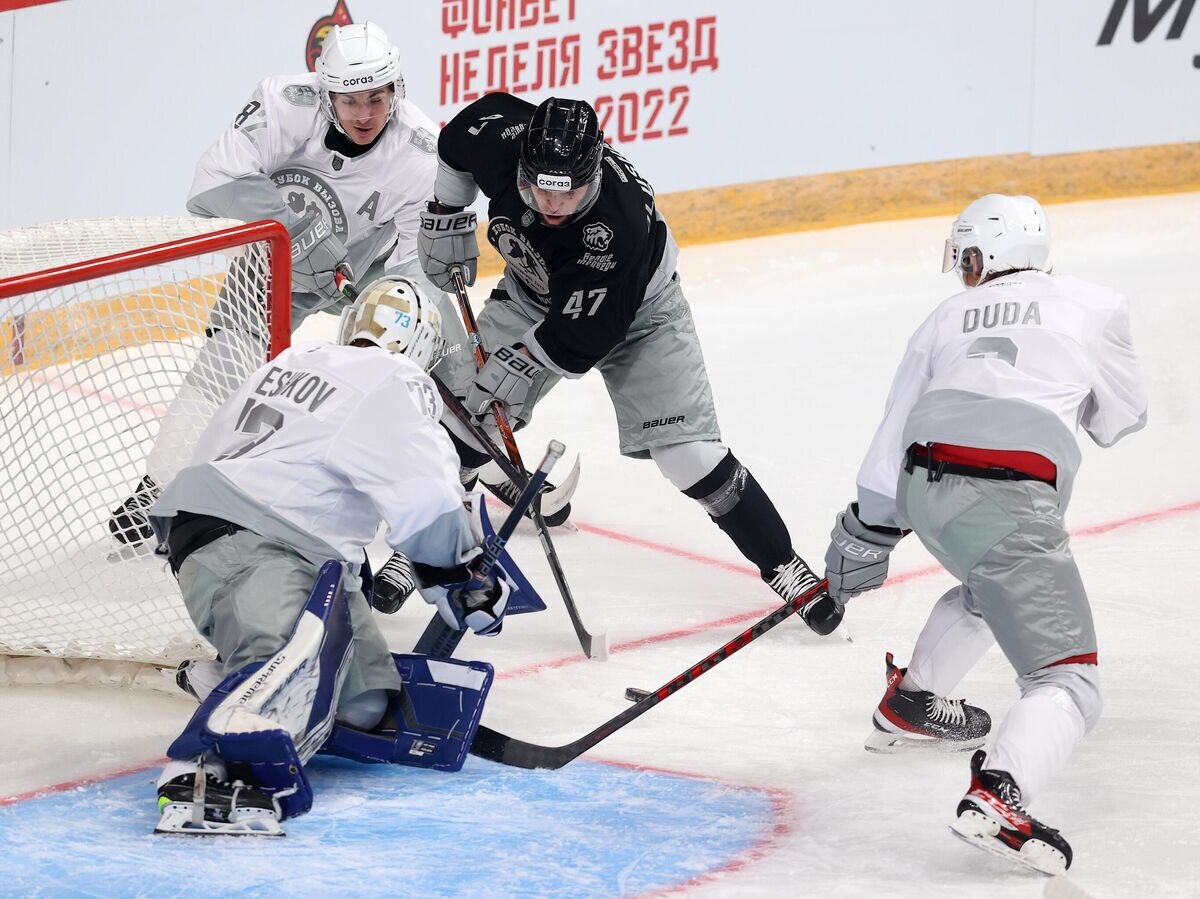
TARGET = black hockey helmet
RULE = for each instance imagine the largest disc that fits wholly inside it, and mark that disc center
(561, 151)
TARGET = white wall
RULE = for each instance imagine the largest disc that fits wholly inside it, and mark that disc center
(113, 100)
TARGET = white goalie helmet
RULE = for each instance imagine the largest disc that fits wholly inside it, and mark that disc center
(997, 233)
(394, 314)
(356, 58)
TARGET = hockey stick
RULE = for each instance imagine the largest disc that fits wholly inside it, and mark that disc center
(497, 747)
(440, 639)
(594, 646)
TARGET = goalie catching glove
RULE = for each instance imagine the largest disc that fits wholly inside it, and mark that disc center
(317, 253)
(447, 241)
(506, 377)
(464, 599)
(857, 558)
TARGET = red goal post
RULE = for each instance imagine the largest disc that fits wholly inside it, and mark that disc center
(118, 339)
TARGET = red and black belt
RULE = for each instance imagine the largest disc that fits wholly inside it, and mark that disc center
(994, 465)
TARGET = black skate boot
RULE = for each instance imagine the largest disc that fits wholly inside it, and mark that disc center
(916, 718)
(218, 807)
(794, 579)
(393, 584)
(507, 493)
(129, 523)
(990, 816)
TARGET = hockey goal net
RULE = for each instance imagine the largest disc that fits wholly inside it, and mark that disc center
(118, 340)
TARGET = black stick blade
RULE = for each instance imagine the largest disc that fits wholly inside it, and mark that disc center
(496, 747)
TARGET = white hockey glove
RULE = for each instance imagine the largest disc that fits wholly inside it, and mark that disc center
(857, 558)
(447, 239)
(470, 601)
(506, 376)
(316, 255)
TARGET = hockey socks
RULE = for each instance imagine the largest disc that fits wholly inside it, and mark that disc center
(737, 505)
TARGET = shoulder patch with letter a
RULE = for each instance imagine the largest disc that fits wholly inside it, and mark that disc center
(423, 140)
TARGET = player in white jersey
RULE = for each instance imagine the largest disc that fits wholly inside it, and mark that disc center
(296, 469)
(977, 454)
(345, 161)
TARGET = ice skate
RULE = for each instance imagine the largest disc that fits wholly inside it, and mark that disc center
(907, 719)
(555, 511)
(129, 523)
(218, 808)
(990, 816)
(822, 613)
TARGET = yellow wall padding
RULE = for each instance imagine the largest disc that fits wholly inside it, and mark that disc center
(912, 191)
(73, 332)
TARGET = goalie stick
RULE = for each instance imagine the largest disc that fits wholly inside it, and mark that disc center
(497, 747)
(594, 646)
(439, 639)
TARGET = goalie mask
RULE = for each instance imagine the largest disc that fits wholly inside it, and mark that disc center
(559, 173)
(997, 233)
(393, 314)
(358, 58)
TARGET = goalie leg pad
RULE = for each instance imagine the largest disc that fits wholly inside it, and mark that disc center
(267, 719)
(430, 724)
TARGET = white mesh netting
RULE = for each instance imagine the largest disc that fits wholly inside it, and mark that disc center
(103, 383)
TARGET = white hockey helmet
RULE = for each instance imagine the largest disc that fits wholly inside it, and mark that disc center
(1006, 233)
(394, 314)
(357, 58)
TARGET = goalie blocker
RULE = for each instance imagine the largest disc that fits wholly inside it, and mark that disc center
(264, 722)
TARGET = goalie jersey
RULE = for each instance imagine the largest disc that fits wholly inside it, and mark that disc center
(1018, 363)
(281, 158)
(590, 276)
(319, 445)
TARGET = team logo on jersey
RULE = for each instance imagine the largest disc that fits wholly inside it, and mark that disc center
(423, 140)
(305, 192)
(321, 29)
(300, 95)
(527, 218)
(597, 236)
(522, 258)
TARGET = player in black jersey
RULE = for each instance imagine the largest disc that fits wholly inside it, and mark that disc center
(590, 282)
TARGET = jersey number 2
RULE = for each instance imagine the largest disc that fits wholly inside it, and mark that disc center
(1001, 348)
(256, 418)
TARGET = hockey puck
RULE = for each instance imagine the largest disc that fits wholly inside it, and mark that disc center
(636, 694)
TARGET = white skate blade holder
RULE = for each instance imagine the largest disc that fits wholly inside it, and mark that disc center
(180, 818)
(897, 741)
(980, 831)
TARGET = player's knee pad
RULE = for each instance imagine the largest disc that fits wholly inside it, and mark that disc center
(430, 724)
(1078, 684)
(267, 719)
(686, 464)
(364, 711)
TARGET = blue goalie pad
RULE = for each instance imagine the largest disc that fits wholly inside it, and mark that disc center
(430, 724)
(524, 597)
(268, 718)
